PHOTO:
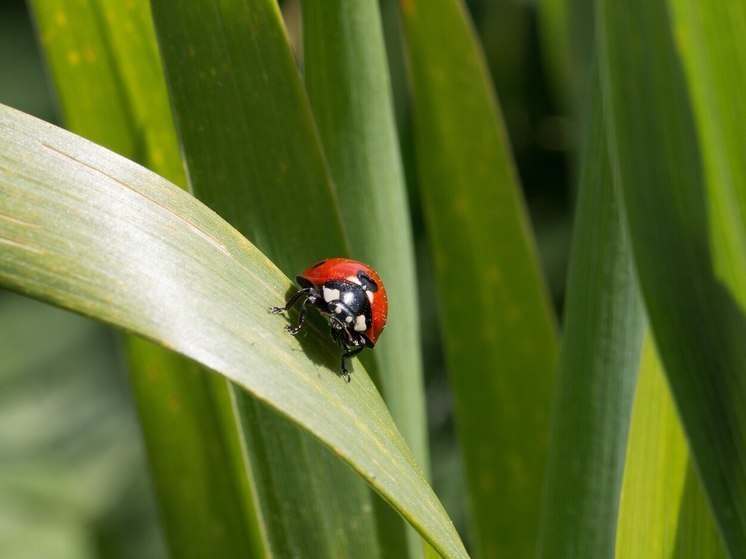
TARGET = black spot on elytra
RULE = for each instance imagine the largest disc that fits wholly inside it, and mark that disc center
(367, 282)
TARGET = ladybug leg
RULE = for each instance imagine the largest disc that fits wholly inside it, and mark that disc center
(294, 299)
(350, 353)
(301, 319)
(337, 330)
(335, 333)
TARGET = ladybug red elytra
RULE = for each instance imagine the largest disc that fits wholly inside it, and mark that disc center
(352, 297)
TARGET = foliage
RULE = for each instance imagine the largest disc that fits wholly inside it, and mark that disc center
(349, 139)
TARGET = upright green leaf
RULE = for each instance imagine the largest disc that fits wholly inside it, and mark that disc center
(75, 42)
(499, 330)
(555, 22)
(347, 79)
(107, 74)
(246, 130)
(253, 154)
(699, 327)
(567, 32)
(80, 256)
(662, 512)
(601, 345)
(348, 85)
(709, 39)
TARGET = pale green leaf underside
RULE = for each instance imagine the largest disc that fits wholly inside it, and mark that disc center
(90, 231)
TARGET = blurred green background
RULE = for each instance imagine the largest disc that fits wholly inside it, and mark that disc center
(81, 489)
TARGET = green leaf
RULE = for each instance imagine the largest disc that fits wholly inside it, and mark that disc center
(661, 160)
(568, 33)
(348, 86)
(662, 512)
(235, 101)
(191, 433)
(347, 79)
(710, 44)
(599, 359)
(499, 330)
(555, 22)
(182, 408)
(104, 63)
(247, 132)
(195, 286)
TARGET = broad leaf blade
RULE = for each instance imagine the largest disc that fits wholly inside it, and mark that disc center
(696, 319)
(197, 287)
(499, 331)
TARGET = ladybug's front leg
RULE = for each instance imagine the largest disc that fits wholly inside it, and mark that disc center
(301, 319)
(294, 299)
(308, 293)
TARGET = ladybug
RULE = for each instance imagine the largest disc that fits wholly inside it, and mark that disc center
(352, 297)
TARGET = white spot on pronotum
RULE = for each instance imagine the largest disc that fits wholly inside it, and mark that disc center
(370, 295)
(355, 279)
(348, 319)
(338, 309)
(360, 325)
(331, 295)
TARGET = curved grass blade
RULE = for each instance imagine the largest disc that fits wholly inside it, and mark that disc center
(195, 286)
(499, 330)
(601, 346)
(698, 324)
(115, 94)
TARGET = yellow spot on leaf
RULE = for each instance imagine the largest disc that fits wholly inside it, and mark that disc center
(90, 54)
(60, 18)
(73, 57)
